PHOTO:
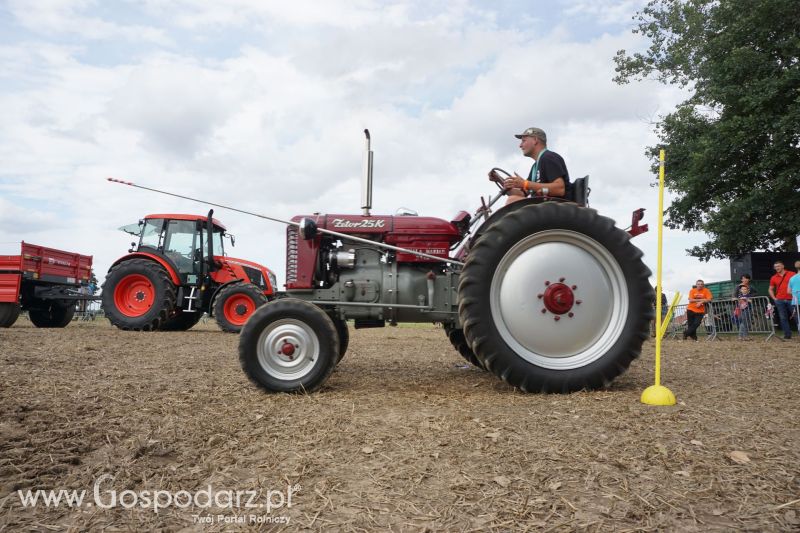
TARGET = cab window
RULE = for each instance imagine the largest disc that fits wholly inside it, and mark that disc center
(152, 232)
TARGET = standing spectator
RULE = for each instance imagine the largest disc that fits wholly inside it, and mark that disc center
(742, 313)
(794, 289)
(744, 282)
(699, 296)
(779, 291)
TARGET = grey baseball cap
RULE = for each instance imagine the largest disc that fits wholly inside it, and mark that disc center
(533, 132)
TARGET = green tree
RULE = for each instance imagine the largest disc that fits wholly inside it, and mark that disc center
(733, 147)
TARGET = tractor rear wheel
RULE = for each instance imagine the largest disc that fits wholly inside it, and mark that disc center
(138, 295)
(344, 337)
(235, 303)
(459, 342)
(554, 298)
(54, 314)
(181, 322)
(289, 345)
(9, 312)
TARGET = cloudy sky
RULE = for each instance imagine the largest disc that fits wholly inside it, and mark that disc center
(261, 104)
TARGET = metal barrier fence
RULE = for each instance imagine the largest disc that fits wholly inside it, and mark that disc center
(723, 318)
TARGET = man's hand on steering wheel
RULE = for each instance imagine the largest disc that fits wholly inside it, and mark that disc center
(514, 182)
(496, 176)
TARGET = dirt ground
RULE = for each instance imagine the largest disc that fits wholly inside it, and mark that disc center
(404, 437)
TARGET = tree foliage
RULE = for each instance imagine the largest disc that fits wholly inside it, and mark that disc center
(733, 147)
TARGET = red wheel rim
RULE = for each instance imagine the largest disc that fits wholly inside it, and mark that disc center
(238, 308)
(134, 295)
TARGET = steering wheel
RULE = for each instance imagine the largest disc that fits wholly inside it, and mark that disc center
(495, 177)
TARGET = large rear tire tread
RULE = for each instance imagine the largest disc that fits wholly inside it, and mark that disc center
(9, 313)
(264, 320)
(53, 314)
(247, 292)
(476, 315)
(459, 342)
(164, 300)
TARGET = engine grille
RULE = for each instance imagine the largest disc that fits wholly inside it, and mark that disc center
(291, 255)
(256, 278)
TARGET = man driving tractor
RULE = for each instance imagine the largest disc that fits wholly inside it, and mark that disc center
(548, 175)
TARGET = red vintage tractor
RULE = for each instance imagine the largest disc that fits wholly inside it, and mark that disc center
(177, 271)
(545, 293)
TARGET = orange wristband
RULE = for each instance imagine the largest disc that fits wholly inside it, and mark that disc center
(525, 185)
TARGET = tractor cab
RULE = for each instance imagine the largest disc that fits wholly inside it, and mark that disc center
(182, 240)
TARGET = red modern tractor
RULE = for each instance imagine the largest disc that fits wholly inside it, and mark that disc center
(545, 293)
(177, 271)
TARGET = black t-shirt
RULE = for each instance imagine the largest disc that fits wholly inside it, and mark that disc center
(550, 167)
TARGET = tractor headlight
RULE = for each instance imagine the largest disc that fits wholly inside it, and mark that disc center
(273, 281)
(307, 229)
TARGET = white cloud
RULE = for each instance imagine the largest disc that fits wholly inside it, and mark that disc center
(64, 17)
(274, 125)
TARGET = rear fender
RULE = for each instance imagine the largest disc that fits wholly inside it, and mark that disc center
(505, 210)
(153, 257)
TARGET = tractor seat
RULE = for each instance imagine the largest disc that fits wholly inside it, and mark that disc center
(580, 191)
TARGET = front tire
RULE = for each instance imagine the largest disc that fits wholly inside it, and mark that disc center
(138, 295)
(289, 345)
(344, 337)
(235, 303)
(53, 314)
(9, 313)
(554, 298)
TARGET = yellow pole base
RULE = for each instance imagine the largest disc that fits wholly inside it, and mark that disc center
(658, 395)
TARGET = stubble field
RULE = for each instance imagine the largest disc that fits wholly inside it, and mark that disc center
(404, 437)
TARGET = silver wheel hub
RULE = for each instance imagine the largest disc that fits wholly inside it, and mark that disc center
(559, 299)
(288, 349)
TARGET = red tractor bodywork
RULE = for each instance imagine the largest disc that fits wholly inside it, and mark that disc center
(201, 278)
(229, 269)
(428, 235)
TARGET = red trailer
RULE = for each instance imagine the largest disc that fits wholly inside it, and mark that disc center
(45, 282)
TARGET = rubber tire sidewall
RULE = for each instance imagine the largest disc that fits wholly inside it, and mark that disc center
(322, 326)
(459, 342)
(163, 302)
(54, 314)
(248, 289)
(475, 292)
(181, 321)
(9, 313)
(344, 337)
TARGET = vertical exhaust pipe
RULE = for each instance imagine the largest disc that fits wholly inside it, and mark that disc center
(366, 183)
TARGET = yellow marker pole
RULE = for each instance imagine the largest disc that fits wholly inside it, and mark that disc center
(658, 394)
(668, 316)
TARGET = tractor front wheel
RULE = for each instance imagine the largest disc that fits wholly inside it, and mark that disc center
(554, 298)
(9, 312)
(344, 337)
(138, 295)
(289, 345)
(54, 314)
(235, 303)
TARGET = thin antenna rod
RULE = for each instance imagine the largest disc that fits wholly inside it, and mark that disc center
(343, 236)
